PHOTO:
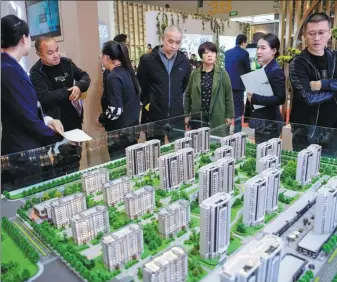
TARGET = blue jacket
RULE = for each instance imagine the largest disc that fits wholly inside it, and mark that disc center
(23, 127)
(236, 64)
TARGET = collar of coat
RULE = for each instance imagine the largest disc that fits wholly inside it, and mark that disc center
(196, 78)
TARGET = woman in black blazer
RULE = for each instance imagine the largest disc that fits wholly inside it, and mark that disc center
(267, 52)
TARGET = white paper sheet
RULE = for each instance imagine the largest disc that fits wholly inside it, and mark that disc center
(77, 135)
(257, 82)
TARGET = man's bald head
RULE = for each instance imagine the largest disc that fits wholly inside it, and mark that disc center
(48, 50)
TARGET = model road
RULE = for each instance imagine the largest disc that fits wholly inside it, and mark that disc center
(328, 271)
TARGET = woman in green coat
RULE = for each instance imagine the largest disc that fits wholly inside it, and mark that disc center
(209, 91)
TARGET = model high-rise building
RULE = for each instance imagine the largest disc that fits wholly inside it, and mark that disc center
(86, 225)
(142, 157)
(93, 181)
(258, 261)
(122, 246)
(169, 266)
(326, 210)
(216, 177)
(240, 145)
(174, 218)
(316, 158)
(176, 168)
(215, 215)
(272, 177)
(263, 149)
(266, 162)
(139, 202)
(304, 166)
(62, 209)
(276, 148)
(238, 142)
(115, 190)
(254, 201)
(182, 143)
(223, 151)
(200, 139)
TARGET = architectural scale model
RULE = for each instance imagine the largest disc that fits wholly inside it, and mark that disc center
(215, 218)
(200, 139)
(142, 157)
(170, 266)
(139, 202)
(224, 151)
(93, 181)
(115, 190)
(308, 163)
(122, 246)
(174, 218)
(257, 261)
(198, 212)
(60, 210)
(216, 177)
(176, 168)
(87, 224)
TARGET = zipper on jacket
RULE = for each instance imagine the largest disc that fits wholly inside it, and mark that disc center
(169, 76)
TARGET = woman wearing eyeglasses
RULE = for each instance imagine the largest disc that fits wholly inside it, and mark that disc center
(265, 118)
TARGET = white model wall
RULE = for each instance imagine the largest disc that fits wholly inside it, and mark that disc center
(191, 26)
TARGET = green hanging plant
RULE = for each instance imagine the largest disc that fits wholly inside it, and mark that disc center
(334, 33)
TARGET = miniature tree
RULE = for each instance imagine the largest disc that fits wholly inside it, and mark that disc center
(241, 228)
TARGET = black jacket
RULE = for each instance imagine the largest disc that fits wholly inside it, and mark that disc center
(119, 93)
(22, 125)
(162, 90)
(313, 107)
(49, 93)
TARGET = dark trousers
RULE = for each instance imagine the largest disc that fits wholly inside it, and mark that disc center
(239, 109)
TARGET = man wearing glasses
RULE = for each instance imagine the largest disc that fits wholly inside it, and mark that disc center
(313, 76)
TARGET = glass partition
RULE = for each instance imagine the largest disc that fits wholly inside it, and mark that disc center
(65, 161)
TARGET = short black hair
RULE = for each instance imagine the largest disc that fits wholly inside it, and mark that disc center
(39, 41)
(121, 38)
(316, 18)
(273, 42)
(207, 46)
(241, 38)
(12, 30)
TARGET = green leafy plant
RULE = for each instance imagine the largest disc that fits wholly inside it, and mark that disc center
(291, 53)
(334, 33)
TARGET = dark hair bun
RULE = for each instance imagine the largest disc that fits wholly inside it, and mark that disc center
(12, 30)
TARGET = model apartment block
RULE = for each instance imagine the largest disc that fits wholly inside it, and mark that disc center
(273, 178)
(176, 168)
(139, 202)
(308, 164)
(270, 161)
(216, 177)
(115, 190)
(122, 246)
(326, 210)
(270, 147)
(215, 216)
(254, 204)
(238, 142)
(223, 152)
(200, 139)
(142, 157)
(174, 218)
(93, 181)
(258, 261)
(182, 143)
(86, 225)
(62, 209)
(169, 266)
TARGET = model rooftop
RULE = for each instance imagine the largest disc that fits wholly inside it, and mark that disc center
(325, 189)
(94, 172)
(112, 237)
(241, 263)
(332, 182)
(63, 200)
(219, 197)
(264, 247)
(165, 258)
(176, 205)
(140, 191)
(313, 241)
(117, 181)
(289, 266)
(89, 212)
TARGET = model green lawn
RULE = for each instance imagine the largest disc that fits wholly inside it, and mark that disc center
(10, 252)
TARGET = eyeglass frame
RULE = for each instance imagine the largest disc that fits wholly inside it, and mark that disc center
(321, 33)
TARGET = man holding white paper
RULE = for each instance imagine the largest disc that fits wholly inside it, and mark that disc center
(266, 91)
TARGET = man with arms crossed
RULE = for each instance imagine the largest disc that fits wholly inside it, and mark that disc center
(313, 75)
